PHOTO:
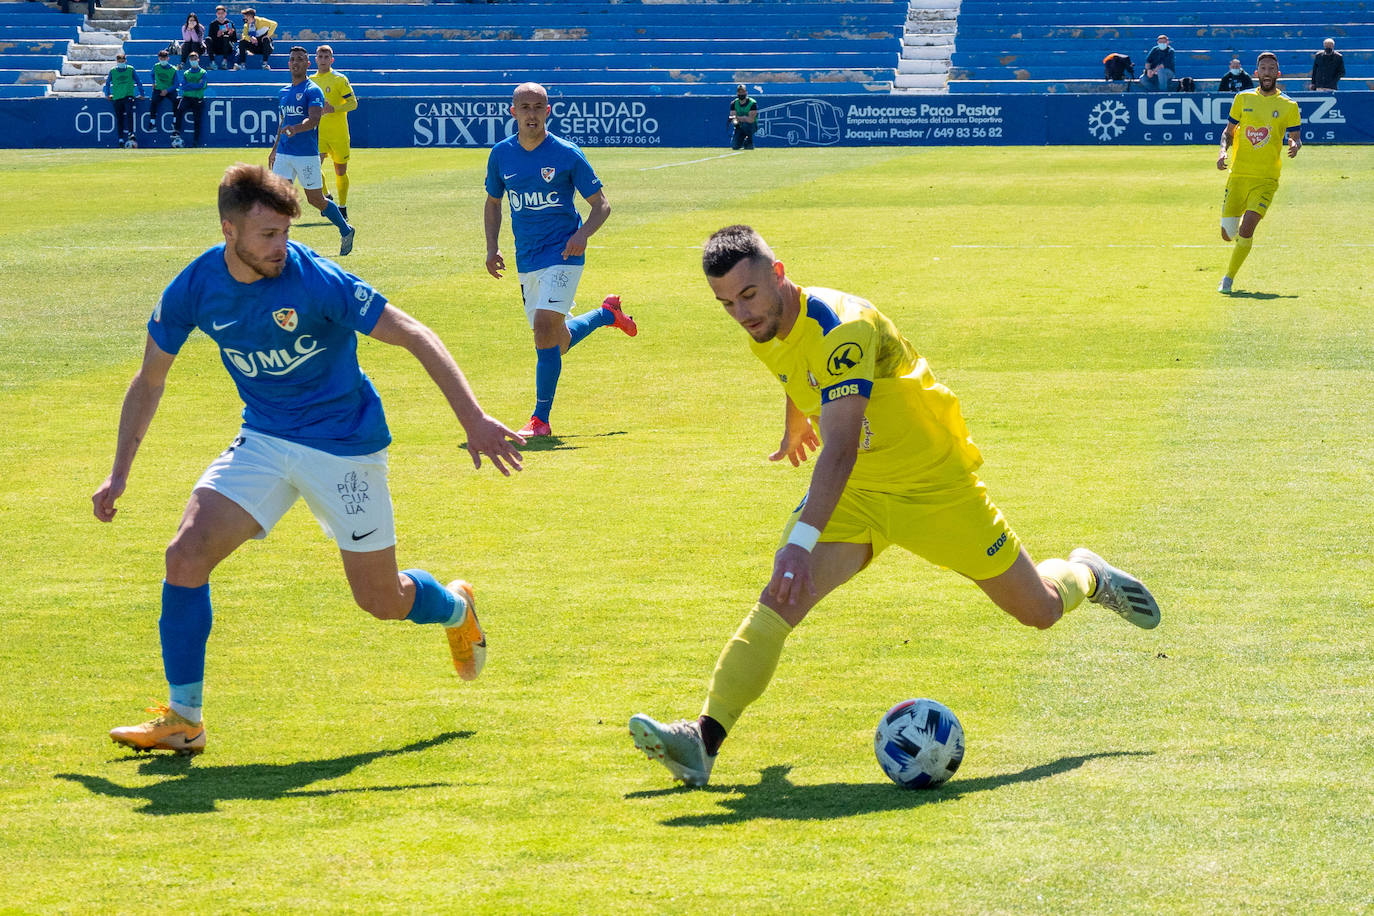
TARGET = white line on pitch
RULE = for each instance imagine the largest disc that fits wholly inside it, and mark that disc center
(669, 165)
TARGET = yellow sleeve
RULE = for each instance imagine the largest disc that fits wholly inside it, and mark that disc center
(270, 24)
(1235, 109)
(845, 359)
(347, 99)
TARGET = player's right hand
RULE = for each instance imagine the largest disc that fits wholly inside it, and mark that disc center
(797, 444)
(495, 264)
(491, 437)
(104, 498)
(1221, 163)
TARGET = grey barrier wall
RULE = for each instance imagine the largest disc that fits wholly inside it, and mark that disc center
(784, 121)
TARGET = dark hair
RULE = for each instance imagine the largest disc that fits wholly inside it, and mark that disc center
(163, 53)
(295, 48)
(249, 11)
(1269, 54)
(245, 186)
(728, 246)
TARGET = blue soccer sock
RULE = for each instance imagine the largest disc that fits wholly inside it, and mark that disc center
(433, 602)
(185, 629)
(546, 372)
(584, 324)
(331, 213)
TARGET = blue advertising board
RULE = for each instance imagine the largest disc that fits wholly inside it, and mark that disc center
(784, 121)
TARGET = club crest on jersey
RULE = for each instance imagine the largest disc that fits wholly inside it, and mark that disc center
(811, 380)
(844, 357)
(286, 319)
(1258, 136)
(546, 173)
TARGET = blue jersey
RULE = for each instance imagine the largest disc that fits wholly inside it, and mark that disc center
(539, 184)
(293, 107)
(290, 344)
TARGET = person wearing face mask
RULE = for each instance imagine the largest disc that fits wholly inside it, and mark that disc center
(1235, 79)
(1159, 66)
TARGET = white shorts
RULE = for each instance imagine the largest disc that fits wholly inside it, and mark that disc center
(348, 495)
(550, 288)
(305, 169)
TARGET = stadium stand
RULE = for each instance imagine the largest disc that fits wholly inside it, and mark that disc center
(1058, 45)
(33, 44)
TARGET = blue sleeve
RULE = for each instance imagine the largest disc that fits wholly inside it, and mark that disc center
(584, 178)
(315, 98)
(138, 82)
(173, 321)
(495, 186)
(346, 299)
(108, 77)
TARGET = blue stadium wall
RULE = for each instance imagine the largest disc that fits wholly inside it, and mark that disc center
(862, 120)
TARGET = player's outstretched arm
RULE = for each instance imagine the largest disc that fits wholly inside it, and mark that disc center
(486, 436)
(841, 428)
(798, 438)
(140, 403)
(491, 223)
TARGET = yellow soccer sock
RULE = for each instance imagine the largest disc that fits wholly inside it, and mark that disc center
(1073, 581)
(1238, 255)
(324, 183)
(343, 190)
(746, 665)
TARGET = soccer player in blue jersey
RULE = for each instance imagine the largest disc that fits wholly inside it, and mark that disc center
(539, 174)
(286, 323)
(300, 107)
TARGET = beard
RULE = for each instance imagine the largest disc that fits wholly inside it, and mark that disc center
(262, 266)
(1266, 83)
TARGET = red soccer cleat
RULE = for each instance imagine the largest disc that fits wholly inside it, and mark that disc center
(622, 321)
(535, 428)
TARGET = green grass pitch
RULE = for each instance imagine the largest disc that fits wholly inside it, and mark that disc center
(1220, 447)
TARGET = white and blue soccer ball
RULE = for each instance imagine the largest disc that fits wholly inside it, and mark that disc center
(176, 142)
(131, 143)
(919, 743)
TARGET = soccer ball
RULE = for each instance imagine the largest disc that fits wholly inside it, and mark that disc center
(131, 143)
(176, 143)
(919, 744)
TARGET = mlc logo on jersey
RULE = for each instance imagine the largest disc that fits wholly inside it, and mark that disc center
(279, 361)
(286, 319)
(533, 200)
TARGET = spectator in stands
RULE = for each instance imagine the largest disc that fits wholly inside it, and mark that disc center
(1159, 66)
(744, 117)
(192, 38)
(223, 39)
(192, 86)
(257, 37)
(1235, 79)
(1327, 67)
(164, 86)
(123, 88)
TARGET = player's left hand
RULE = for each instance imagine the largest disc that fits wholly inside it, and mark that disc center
(491, 437)
(577, 245)
(1294, 145)
(791, 575)
(797, 444)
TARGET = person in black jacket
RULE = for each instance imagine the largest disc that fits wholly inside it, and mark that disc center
(1235, 79)
(223, 40)
(1327, 67)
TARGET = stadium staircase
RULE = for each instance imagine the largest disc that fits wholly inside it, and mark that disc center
(1058, 45)
(927, 46)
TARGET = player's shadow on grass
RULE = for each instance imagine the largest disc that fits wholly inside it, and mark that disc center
(1242, 294)
(776, 798)
(559, 443)
(195, 789)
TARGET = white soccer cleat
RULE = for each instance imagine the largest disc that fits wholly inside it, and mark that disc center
(1225, 286)
(676, 745)
(1119, 591)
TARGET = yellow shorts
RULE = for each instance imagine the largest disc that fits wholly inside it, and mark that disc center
(335, 145)
(959, 529)
(1243, 193)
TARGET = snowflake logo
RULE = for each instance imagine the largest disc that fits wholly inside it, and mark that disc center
(1108, 120)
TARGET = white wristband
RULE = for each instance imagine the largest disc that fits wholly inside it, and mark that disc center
(804, 536)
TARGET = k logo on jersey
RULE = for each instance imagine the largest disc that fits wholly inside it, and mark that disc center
(547, 173)
(844, 358)
(286, 319)
(1258, 136)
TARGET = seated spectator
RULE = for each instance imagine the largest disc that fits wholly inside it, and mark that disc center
(223, 40)
(1115, 68)
(192, 38)
(1159, 66)
(257, 37)
(1327, 67)
(1235, 79)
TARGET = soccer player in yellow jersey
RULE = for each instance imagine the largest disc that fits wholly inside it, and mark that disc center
(339, 100)
(897, 467)
(1260, 122)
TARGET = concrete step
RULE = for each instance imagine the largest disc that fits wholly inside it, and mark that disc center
(87, 68)
(942, 14)
(82, 84)
(933, 5)
(136, 5)
(922, 39)
(929, 52)
(90, 36)
(76, 51)
(923, 66)
(926, 24)
(920, 80)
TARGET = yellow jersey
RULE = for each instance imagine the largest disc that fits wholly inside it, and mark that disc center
(338, 92)
(913, 436)
(1261, 123)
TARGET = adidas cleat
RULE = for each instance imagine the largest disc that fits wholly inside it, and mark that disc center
(466, 641)
(168, 732)
(622, 321)
(676, 745)
(1119, 591)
